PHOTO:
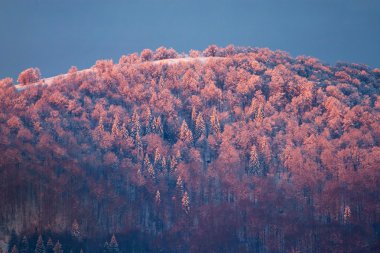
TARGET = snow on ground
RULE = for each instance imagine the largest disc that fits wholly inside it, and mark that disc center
(50, 80)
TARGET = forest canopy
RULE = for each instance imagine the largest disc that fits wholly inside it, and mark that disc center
(226, 150)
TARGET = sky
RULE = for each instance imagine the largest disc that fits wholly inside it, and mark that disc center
(54, 35)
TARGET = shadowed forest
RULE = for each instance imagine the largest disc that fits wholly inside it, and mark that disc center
(246, 150)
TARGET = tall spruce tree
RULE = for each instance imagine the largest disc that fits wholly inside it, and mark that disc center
(24, 245)
(40, 247)
(75, 231)
(58, 248)
(49, 246)
(186, 203)
(13, 240)
(114, 246)
(106, 248)
(254, 162)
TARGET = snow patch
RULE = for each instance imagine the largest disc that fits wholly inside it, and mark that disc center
(50, 80)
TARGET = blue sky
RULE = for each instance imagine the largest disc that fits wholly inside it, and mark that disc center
(56, 34)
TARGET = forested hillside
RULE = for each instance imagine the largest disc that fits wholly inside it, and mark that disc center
(246, 150)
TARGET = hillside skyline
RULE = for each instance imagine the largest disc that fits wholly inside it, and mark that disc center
(54, 35)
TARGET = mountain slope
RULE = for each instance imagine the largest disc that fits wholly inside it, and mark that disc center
(241, 150)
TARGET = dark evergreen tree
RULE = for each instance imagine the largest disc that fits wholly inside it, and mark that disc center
(40, 247)
(114, 246)
(49, 246)
(24, 246)
(58, 248)
(106, 248)
(75, 231)
(13, 240)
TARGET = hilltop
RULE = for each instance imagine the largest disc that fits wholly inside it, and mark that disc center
(50, 80)
(225, 150)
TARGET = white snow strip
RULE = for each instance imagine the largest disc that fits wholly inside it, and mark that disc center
(50, 80)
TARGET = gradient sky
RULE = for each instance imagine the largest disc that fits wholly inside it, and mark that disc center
(56, 34)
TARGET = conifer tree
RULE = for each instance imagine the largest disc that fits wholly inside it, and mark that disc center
(114, 246)
(173, 164)
(347, 214)
(161, 83)
(254, 163)
(193, 114)
(157, 159)
(185, 134)
(179, 185)
(135, 129)
(106, 248)
(178, 155)
(214, 120)
(140, 176)
(146, 161)
(148, 126)
(163, 163)
(40, 247)
(151, 171)
(49, 246)
(259, 114)
(186, 203)
(58, 248)
(193, 118)
(200, 128)
(101, 124)
(13, 240)
(157, 126)
(115, 128)
(252, 108)
(124, 131)
(24, 246)
(75, 231)
(157, 156)
(157, 198)
(139, 145)
(99, 130)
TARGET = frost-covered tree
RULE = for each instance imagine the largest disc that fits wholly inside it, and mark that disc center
(40, 247)
(214, 120)
(30, 75)
(185, 134)
(186, 203)
(75, 230)
(200, 128)
(58, 247)
(157, 198)
(254, 163)
(49, 246)
(24, 245)
(113, 245)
